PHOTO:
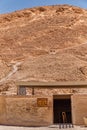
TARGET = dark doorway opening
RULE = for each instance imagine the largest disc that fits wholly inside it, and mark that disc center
(62, 110)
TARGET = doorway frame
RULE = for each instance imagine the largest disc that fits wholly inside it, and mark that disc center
(63, 96)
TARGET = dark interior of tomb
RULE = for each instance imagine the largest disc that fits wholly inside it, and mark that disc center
(62, 111)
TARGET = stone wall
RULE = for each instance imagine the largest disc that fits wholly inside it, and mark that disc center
(48, 91)
(24, 111)
(79, 108)
(55, 91)
(45, 91)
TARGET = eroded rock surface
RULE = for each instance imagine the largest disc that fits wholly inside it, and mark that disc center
(43, 44)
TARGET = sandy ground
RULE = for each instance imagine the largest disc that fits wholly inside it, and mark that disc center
(40, 128)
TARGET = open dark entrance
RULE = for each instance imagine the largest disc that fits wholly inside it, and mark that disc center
(62, 109)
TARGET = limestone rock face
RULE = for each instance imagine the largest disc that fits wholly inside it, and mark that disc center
(43, 44)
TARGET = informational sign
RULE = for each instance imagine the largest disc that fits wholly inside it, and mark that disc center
(42, 102)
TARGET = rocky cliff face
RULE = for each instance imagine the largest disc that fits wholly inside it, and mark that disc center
(43, 44)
